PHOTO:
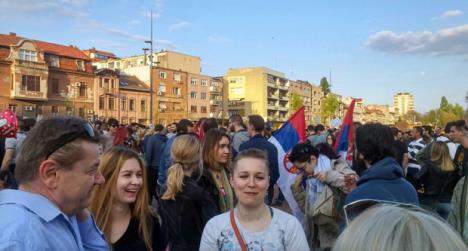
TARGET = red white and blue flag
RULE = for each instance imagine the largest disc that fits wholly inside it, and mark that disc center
(345, 139)
(291, 132)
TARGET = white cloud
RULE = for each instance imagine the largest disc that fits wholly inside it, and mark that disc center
(449, 41)
(147, 14)
(68, 8)
(449, 13)
(180, 26)
(134, 22)
(216, 38)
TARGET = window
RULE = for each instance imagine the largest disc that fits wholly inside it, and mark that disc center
(193, 108)
(132, 105)
(12, 107)
(112, 84)
(176, 91)
(106, 83)
(80, 65)
(111, 65)
(81, 112)
(143, 105)
(31, 83)
(54, 60)
(123, 104)
(111, 103)
(100, 82)
(177, 77)
(162, 88)
(55, 86)
(203, 95)
(82, 89)
(101, 103)
(204, 82)
(28, 55)
(193, 95)
(193, 81)
(162, 75)
(203, 109)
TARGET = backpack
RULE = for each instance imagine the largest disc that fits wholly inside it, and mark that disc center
(327, 207)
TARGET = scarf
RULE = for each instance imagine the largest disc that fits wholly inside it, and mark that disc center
(315, 186)
(225, 202)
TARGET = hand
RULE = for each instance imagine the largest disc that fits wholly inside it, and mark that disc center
(350, 182)
(298, 180)
(321, 176)
(83, 215)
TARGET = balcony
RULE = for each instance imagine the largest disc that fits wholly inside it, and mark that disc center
(283, 108)
(272, 107)
(17, 93)
(272, 96)
(283, 87)
(215, 89)
(215, 102)
(271, 84)
(106, 90)
(285, 98)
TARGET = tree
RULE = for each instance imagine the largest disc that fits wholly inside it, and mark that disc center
(296, 101)
(444, 104)
(329, 107)
(326, 87)
(447, 112)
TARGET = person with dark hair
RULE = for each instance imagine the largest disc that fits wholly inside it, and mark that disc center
(154, 149)
(401, 150)
(457, 136)
(183, 127)
(209, 123)
(255, 128)
(56, 169)
(317, 170)
(428, 134)
(319, 137)
(413, 149)
(12, 147)
(383, 179)
(240, 134)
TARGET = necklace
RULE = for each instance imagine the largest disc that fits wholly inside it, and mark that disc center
(220, 183)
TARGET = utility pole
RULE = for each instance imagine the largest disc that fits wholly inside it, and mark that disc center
(151, 71)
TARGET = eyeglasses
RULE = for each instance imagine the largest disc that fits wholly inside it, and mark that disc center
(85, 129)
(354, 209)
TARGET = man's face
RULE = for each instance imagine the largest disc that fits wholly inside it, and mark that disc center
(75, 186)
(415, 134)
(456, 135)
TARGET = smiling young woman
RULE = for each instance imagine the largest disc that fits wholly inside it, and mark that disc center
(252, 225)
(120, 205)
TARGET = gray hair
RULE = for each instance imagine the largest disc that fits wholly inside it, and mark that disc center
(395, 228)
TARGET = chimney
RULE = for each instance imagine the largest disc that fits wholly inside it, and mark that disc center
(13, 34)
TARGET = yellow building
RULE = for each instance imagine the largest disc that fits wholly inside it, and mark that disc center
(258, 90)
(316, 102)
(403, 103)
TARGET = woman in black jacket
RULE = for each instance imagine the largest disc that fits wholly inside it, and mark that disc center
(436, 180)
(185, 207)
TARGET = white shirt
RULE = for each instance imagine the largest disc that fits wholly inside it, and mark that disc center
(284, 233)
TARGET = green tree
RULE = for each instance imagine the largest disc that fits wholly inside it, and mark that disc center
(329, 107)
(326, 87)
(444, 104)
(296, 102)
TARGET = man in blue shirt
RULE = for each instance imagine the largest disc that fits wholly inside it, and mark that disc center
(255, 128)
(56, 169)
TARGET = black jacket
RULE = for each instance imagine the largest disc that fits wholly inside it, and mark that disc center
(185, 217)
(435, 181)
(132, 240)
(154, 146)
(259, 142)
(208, 184)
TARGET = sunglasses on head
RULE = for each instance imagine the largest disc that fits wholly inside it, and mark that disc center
(354, 209)
(85, 129)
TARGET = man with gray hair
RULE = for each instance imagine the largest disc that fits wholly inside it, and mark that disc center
(56, 170)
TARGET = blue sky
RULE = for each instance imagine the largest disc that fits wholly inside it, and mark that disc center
(373, 49)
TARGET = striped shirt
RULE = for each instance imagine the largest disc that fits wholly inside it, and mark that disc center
(413, 148)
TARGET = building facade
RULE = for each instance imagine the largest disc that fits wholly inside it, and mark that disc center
(304, 90)
(41, 79)
(403, 103)
(316, 104)
(198, 100)
(258, 90)
(170, 99)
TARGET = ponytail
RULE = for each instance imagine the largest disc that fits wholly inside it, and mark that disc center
(174, 183)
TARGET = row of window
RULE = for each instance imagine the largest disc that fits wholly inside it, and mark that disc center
(29, 55)
(123, 104)
(203, 109)
(194, 95)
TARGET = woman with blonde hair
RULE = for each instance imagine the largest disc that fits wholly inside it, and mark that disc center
(436, 180)
(120, 205)
(216, 151)
(397, 227)
(184, 206)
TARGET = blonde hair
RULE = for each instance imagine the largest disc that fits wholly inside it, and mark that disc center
(395, 228)
(104, 195)
(185, 152)
(440, 154)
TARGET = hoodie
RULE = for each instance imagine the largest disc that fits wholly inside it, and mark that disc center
(384, 180)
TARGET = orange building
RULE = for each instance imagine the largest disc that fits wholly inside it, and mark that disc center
(170, 95)
(40, 79)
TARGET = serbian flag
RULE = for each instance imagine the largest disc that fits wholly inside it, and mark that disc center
(345, 139)
(290, 133)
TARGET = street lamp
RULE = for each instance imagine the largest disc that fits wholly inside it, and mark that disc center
(151, 71)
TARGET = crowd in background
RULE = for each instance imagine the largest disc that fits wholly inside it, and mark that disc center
(206, 185)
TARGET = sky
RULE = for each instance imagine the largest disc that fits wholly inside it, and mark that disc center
(370, 49)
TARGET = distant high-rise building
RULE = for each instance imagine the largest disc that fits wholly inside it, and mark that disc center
(403, 103)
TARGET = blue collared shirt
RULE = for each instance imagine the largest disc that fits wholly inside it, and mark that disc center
(29, 221)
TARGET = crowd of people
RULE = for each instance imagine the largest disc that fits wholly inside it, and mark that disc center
(68, 184)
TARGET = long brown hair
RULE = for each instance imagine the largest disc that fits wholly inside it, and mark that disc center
(440, 154)
(185, 152)
(104, 195)
(210, 146)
